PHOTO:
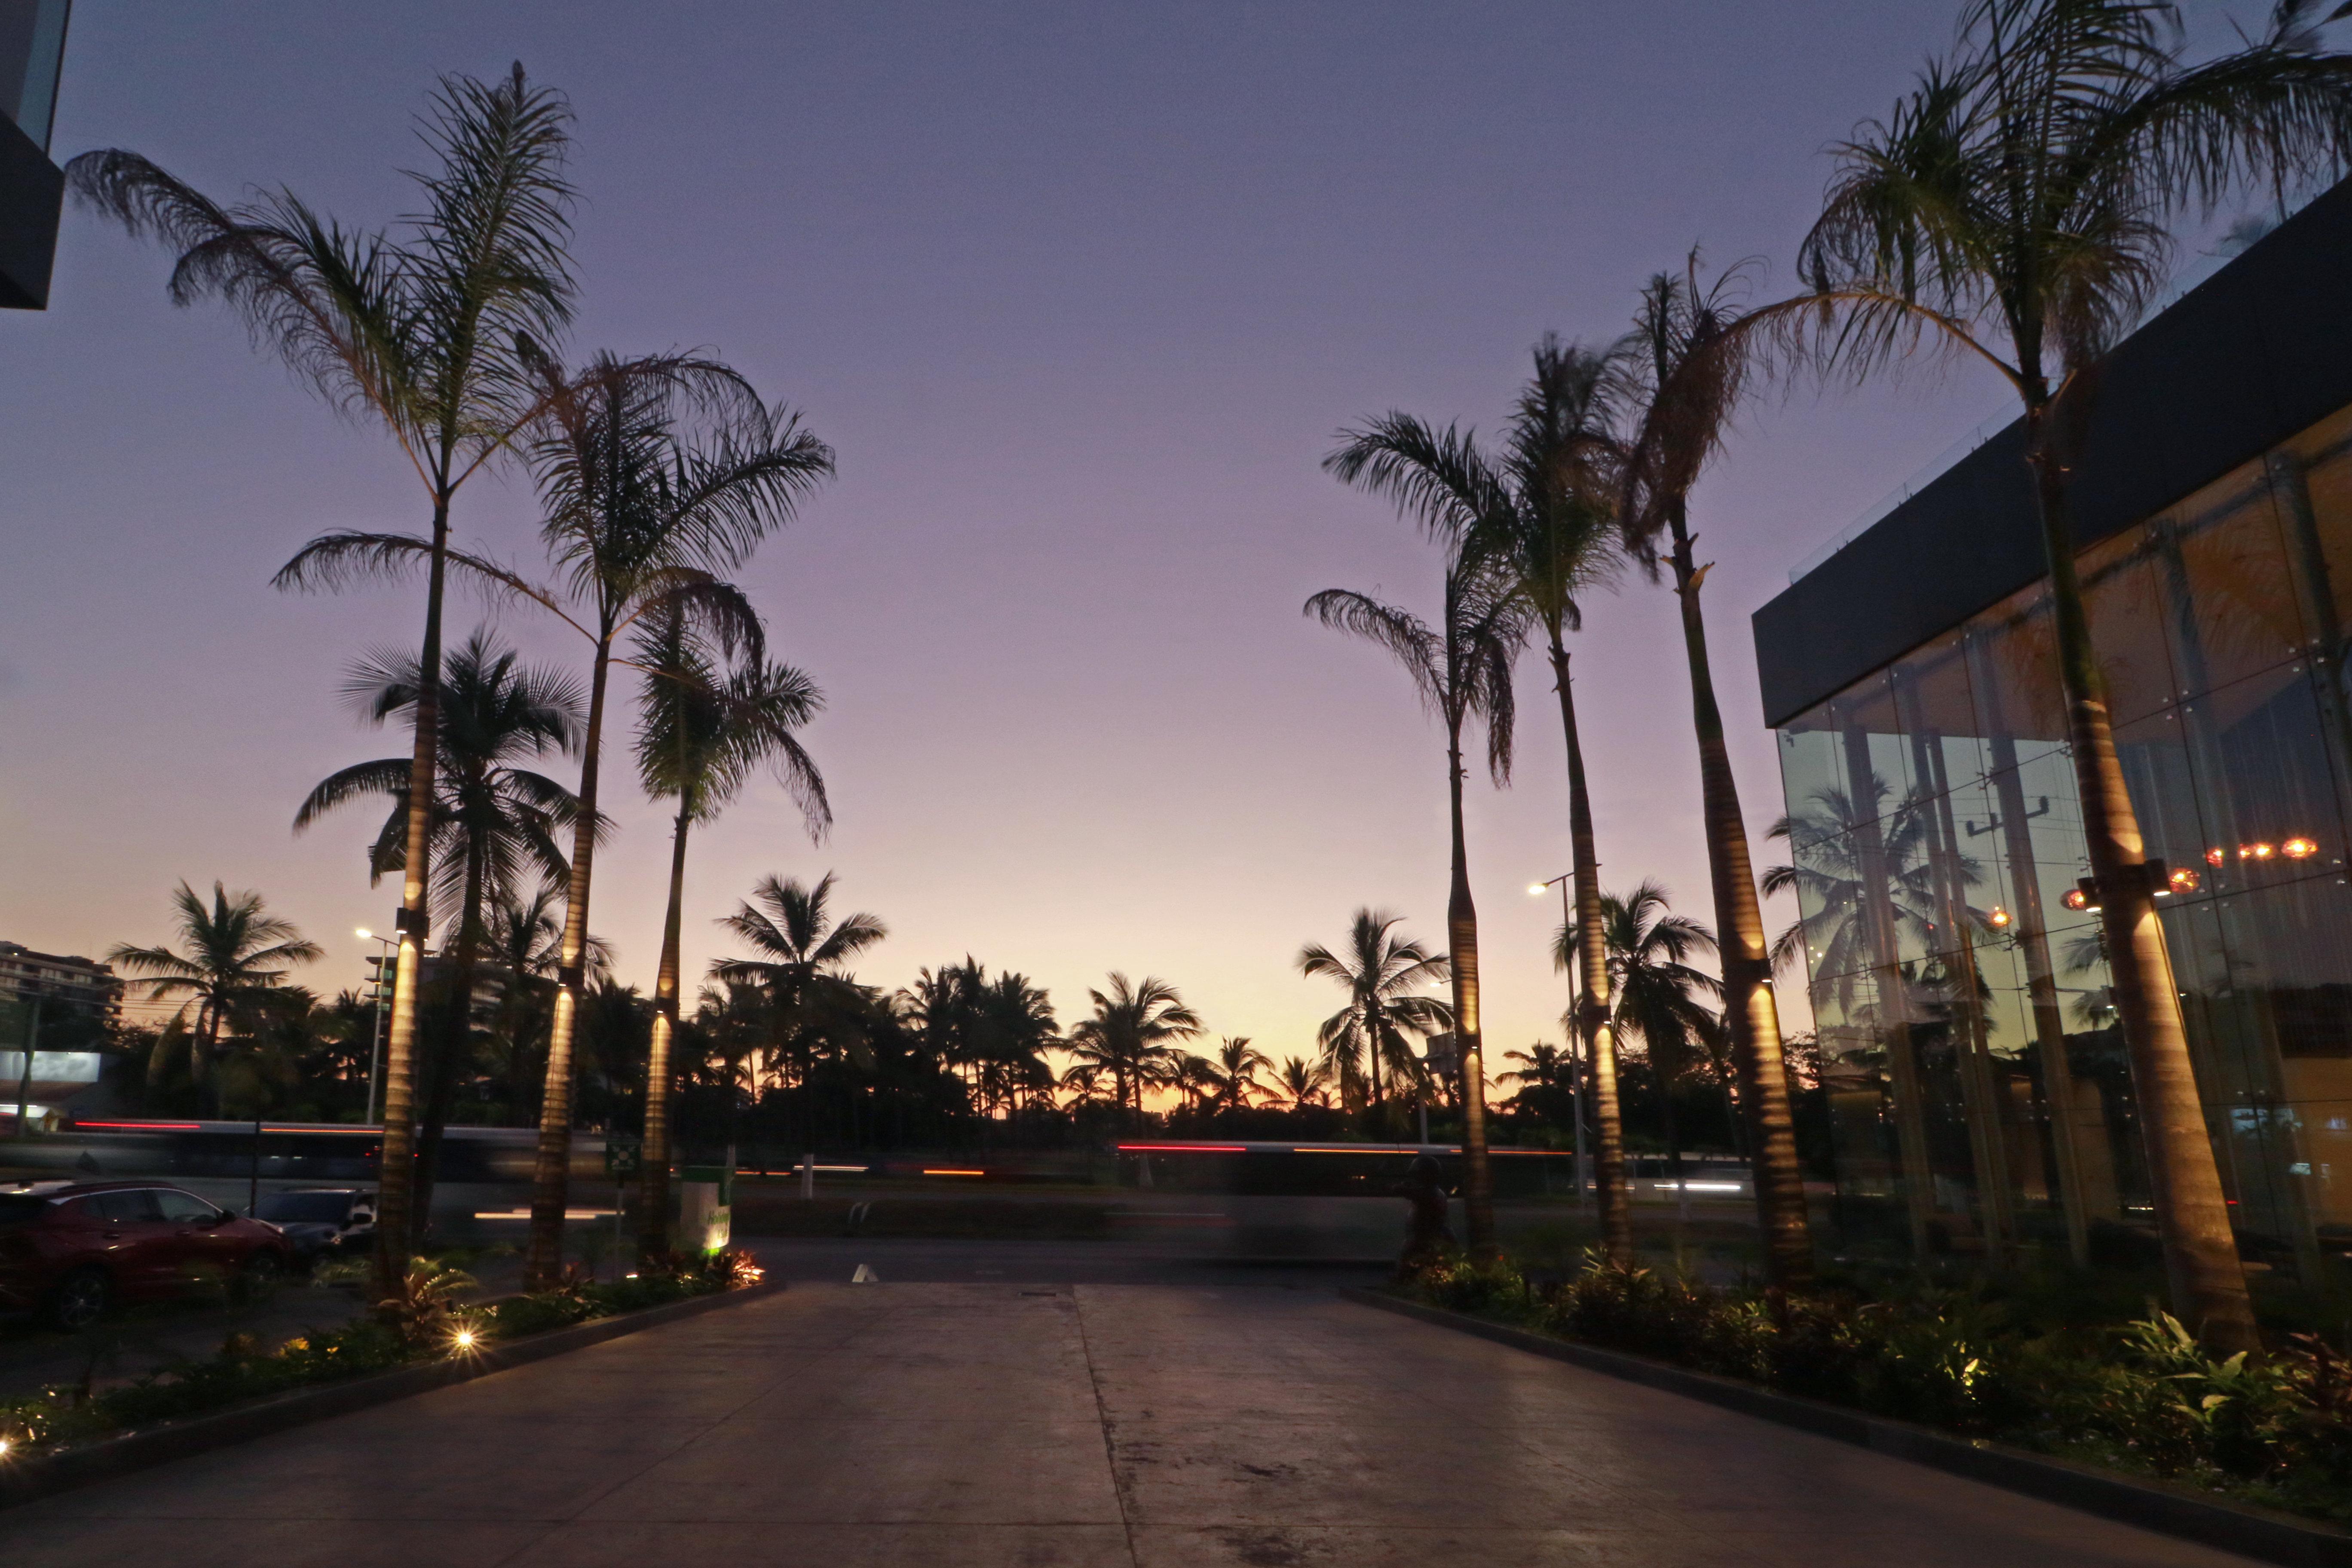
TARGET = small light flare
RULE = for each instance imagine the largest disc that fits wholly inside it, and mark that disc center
(2078, 899)
(2298, 848)
(363, 933)
(2216, 857)
(1999, 918)
(2261, 851)
(2183, 879)
(1535, 889)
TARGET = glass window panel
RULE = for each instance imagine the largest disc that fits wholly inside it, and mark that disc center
(1935, 701)
(2154, 758)
(1877, 772)
(2013, 676)
(2311, 478)
(2266, 788)
(2230, 607)
(2126, 614)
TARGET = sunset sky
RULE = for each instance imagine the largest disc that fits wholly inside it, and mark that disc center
(1080, 294)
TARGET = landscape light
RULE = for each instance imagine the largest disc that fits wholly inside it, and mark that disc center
(2298, 848)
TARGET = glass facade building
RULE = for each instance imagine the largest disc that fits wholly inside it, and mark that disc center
(1980, 1094)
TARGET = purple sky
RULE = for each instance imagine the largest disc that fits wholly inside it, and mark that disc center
(1080, 295)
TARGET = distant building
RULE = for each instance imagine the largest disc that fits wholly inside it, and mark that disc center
(90, 988)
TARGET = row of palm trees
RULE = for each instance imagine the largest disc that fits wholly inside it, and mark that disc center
(657, 476)
(2016, 209)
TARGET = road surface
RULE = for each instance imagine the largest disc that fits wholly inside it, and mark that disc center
(990, 1425)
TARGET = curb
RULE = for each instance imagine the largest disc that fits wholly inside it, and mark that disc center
(2233, 1527)
(47, 1474)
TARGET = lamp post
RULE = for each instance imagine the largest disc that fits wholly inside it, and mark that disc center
(382, 995)
(1575, 1047)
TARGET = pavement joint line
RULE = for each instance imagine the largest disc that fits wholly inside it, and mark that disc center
(1102, 1415)
(2255, 1532)
(70, 1469)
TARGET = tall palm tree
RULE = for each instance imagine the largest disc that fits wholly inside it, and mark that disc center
(431, 336)
(1661, 997)
(2016, 208)
(1687, 388)
(493, 825)
(654, 474)
(525, 944)
(1238, 1063)
(1462, 670)
(702, 731)
(1132, 1036)
(1549, 511)
(1383, 974)
(233, 969)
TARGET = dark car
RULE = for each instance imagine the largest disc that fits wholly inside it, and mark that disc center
(68, 1250)
(319, 1220)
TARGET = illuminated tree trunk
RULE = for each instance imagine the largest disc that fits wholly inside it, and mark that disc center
(1592, 1013)
(653, 1176)
(1462, 944)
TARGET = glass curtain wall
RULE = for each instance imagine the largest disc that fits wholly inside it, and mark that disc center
(1980, 1094)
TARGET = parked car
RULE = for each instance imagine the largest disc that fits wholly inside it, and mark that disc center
(69, 1250)
(320, 1220)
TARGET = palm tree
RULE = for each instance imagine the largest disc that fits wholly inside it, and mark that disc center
(1462, 670)
(2015, 208)
(702, 731)
(1660, 995)
(1132, 1036)
(812, 1000)
(233, 971)
(432, 337)
(654, 475)
(524, 944)
(1238, 1063)
(1688, 387)
(1548, 509)
(493, 825)
(1382, 975)
(1303, 1082)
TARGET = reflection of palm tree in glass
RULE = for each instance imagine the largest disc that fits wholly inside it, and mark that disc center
(1827, 876)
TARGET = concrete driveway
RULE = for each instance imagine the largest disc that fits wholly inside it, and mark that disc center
(996, 1424)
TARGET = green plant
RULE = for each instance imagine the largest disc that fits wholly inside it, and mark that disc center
(420, 1306)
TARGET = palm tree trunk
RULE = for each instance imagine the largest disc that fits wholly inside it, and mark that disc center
(2208, 1282)
(395, 1172)
(1462, 945)
(457, 1049)
(653, 1190)
(550, 1178)
(1750, 1006)
(1593, 1011)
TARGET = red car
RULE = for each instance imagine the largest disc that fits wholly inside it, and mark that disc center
(69, 1250)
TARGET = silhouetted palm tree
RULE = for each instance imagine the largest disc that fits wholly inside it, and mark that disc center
(1131, 1037)
(1383, 974)
(1556, 534)
(433, 337)
(1687, 388)
(1661, 997)
(233, 969)
(493, 825)
(2015, 208)
(703, 729)
(1238, 1063)
(1462, 670)
(1304, 1083)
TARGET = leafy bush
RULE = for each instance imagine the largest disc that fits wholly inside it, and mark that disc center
(2144, 1395)
(422, 1320)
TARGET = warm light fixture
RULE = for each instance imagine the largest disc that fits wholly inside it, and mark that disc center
(2182, 880)
(2216, 857)
(2298, 848)
(1999, 917)
(2078, 899)
(2259, 851)
(1536, 888)
(364, 934)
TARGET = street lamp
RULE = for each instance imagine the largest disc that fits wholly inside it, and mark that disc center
(383, 993)
(1575, 1035)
